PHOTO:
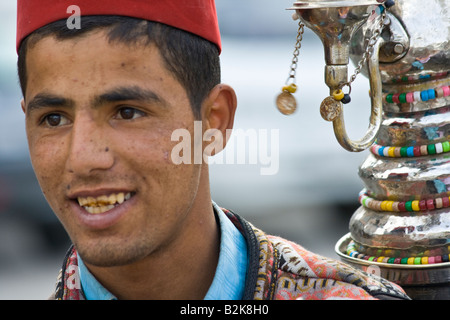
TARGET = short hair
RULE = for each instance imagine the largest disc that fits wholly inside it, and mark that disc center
(192, 60)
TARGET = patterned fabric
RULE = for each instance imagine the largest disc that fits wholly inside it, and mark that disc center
(278, 269)
(68, 286)
(288, 271)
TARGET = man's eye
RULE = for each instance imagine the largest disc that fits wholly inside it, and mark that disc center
(128, 113)
(55, 120)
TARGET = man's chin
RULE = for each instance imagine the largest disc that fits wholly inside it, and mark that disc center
(110, 255)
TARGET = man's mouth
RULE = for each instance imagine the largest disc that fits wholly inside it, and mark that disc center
(103, 203)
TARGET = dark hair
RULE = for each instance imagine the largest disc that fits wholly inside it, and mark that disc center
(193, 60)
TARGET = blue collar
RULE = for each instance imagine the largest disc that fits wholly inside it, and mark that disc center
(92, 289)
(229, 279)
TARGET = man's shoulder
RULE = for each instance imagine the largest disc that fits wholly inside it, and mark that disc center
(286, 270)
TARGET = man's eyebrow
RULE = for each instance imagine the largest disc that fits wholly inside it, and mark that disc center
(43, 100)
(133, 93)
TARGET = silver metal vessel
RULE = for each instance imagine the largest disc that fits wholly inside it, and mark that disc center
(402, 229)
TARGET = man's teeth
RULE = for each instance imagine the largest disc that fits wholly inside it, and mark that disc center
(103, 203)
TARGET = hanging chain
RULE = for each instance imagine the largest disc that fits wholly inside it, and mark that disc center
(368, 52)
(286, 102)
(298, 45)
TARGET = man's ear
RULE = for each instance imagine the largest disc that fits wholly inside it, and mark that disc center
(218, 111)
(22, 104)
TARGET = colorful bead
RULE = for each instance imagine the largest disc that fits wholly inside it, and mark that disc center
(416, 95)
(338, 94)
(445, 146)
(389, 98)
(402, 97)
(422, 205)
(410, 151)
(424, 150)
(431, 149)
(403, 151)
(391, 152)
(445, 202)
(416, 151)
(446, 90)
(439, 148)
(292, 88)
(346, 99)
(415, 205)
(408, 206)
(395, 98)
(410, 97)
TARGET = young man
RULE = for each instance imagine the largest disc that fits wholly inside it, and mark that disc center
(102, 97)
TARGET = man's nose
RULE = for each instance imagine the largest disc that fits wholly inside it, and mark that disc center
(89, 148)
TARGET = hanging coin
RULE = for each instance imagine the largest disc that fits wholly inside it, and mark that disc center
(286, 103)
(330, 108)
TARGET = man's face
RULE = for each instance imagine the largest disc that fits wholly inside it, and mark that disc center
(99, 119)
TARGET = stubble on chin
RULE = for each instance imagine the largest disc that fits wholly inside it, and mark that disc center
(104, 254)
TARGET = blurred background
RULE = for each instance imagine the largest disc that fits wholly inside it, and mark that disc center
(309, 200)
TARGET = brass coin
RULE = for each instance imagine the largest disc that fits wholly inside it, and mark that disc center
(286, 103)
(330, 109)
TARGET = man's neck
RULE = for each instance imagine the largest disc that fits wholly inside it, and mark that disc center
(183, 268)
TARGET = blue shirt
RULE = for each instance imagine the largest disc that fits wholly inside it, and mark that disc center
(229, 279)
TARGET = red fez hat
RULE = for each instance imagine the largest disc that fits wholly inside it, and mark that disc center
(195, 16)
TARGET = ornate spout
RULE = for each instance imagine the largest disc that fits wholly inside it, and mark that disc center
(336, 22)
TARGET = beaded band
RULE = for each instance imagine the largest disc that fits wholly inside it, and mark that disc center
(415, 96)
(412, 151)
(352, 252)
(402, 206)
(401, 253)
(414, 78)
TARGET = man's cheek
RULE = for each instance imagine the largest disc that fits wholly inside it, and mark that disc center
(47, 174)
(47, 186)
